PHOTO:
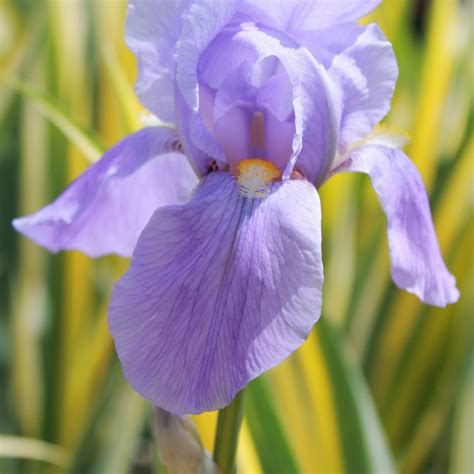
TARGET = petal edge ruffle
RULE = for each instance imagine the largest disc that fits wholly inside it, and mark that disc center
(104, 210)
(307, 15)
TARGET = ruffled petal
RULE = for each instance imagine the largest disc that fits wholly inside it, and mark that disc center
(304, 15)
(197, 33)
(105, 209)
(315, 138)
(219, 290)
(202, 22)
(417, 264)
(315, 118)
(364, 75)
(151, 32)
(249, 89)
(328, 42)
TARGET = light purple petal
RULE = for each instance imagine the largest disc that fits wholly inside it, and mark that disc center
(276, 93)
(202, 22)
(197, 33)
(303, 15)
(328, 42)
(219, 290)
(199, 144)
(315, 136)
(151, 32)
(232, 133)
(364, 75)
(315, 119)
(105, 209)
(279, 136)
(238, 89)
(246, 90)
(417, 264)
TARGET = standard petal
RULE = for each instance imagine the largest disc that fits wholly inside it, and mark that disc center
(315, 138)
(198, 32)
(219, 290)
(304, 15)
(105, 209)
(364, 75)
(315, 117)
(328, 42)
(417, 264)
(248, 90)
(151, 32)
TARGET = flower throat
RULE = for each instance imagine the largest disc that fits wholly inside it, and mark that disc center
(255, 174)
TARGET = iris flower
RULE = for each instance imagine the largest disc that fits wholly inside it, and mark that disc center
(263, 101)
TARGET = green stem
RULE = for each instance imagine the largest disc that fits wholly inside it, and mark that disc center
(227, 434)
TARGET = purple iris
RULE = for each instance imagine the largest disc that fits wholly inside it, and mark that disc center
(220, 211)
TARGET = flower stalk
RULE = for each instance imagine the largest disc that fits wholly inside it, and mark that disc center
(227, 434)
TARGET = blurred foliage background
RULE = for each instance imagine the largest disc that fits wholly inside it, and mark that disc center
(384, 383)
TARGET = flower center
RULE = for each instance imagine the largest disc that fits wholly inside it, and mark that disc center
(254, 175)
